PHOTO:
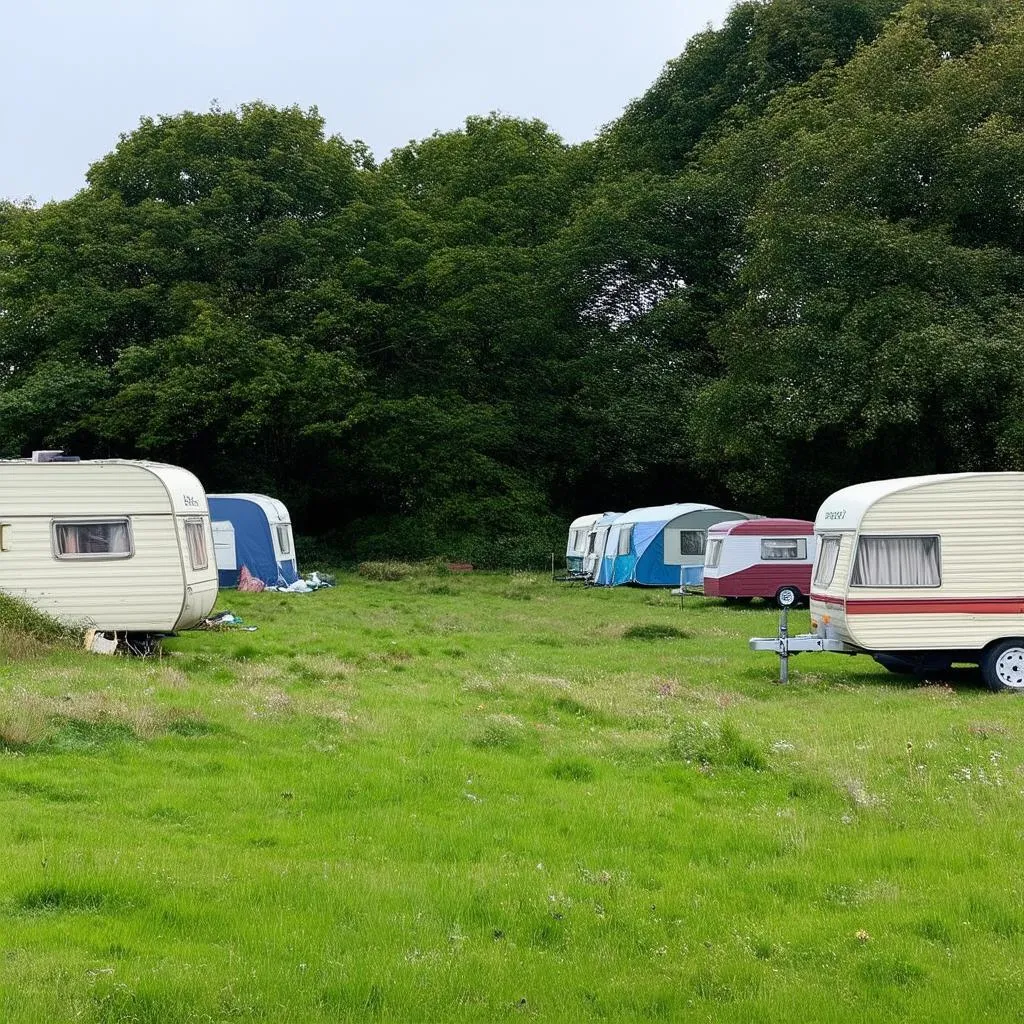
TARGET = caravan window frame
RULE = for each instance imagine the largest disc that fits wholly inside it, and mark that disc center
(823, 548)
(897, 536)
(781, 543)
(625, 534)
(284, 537)
(91, 556)
(702, 543)
(200, 523)
(713, 552)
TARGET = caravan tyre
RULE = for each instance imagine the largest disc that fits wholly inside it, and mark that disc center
(787, 597)
(1002, 666)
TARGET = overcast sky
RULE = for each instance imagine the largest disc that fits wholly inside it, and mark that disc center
(77, 73)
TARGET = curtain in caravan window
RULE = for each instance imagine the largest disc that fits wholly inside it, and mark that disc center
(897, 562)
(195, 536)
(82, 540)
(783, 549)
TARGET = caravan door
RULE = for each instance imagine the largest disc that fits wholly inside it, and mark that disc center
(224, 545)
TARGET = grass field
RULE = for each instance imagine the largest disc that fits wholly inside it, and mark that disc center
(498, 798)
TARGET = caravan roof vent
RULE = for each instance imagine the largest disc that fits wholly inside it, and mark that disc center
(53, 455)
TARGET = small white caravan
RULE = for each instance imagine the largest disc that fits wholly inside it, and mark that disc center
(576, 546)
(922, 572)
(116, 545)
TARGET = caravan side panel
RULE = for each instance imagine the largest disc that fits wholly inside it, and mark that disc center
(980, 523)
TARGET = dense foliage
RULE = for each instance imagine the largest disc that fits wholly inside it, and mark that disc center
(794, 263)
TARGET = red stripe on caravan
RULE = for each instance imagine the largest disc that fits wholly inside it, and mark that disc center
(839, 602)
(935, 605)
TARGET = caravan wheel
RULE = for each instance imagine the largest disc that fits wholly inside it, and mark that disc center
(1002, 666)
(787, 597)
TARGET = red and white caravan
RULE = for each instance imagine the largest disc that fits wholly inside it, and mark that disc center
(921, 573)
(769, 558)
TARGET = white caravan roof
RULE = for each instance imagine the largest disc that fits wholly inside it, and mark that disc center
(276, 511)
(577, 524)
(182, 487)
(844, 510)
(661, 513)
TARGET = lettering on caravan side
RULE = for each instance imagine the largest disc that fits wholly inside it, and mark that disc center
(191, 502)
(838, 514)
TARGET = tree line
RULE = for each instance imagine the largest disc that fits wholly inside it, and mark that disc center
(794, 263)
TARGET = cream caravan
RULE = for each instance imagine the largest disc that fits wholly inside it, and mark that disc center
(115, 545)
(922, 572)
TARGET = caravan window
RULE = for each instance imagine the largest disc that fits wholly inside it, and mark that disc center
(828, 555)
(195, 537)
(284, 538)
(590, 546)
(92, 538)
(714, 553)
(783, 549)
(692, 542)
(625, 540)
(897, 562)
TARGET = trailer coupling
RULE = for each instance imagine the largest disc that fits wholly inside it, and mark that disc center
(783, 645)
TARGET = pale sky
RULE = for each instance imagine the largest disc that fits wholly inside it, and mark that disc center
(77, 73)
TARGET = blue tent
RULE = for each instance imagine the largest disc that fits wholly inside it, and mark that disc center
(255, 531)
(660, 546)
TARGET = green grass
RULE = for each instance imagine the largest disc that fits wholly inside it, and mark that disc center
(488, 798)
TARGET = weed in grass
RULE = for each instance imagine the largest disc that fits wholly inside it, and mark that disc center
(57, 898)
(440, 589)
(882, 971)
(934, 929)
(653, 631)
(386, 572)
(41, 791)
(192, 725)
(859, 796)
(572, 769)
(22, 728)
(578, 709)
(80, 735)
(710, 747)
(501, 731)
(521, 588)
(24, 630)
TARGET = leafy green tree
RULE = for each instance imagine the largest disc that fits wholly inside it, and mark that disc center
(876, 324)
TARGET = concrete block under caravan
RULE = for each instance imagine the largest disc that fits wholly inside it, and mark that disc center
(116, 545)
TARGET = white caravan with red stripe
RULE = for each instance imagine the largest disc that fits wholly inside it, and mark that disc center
(921, 572)
(769, 558)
